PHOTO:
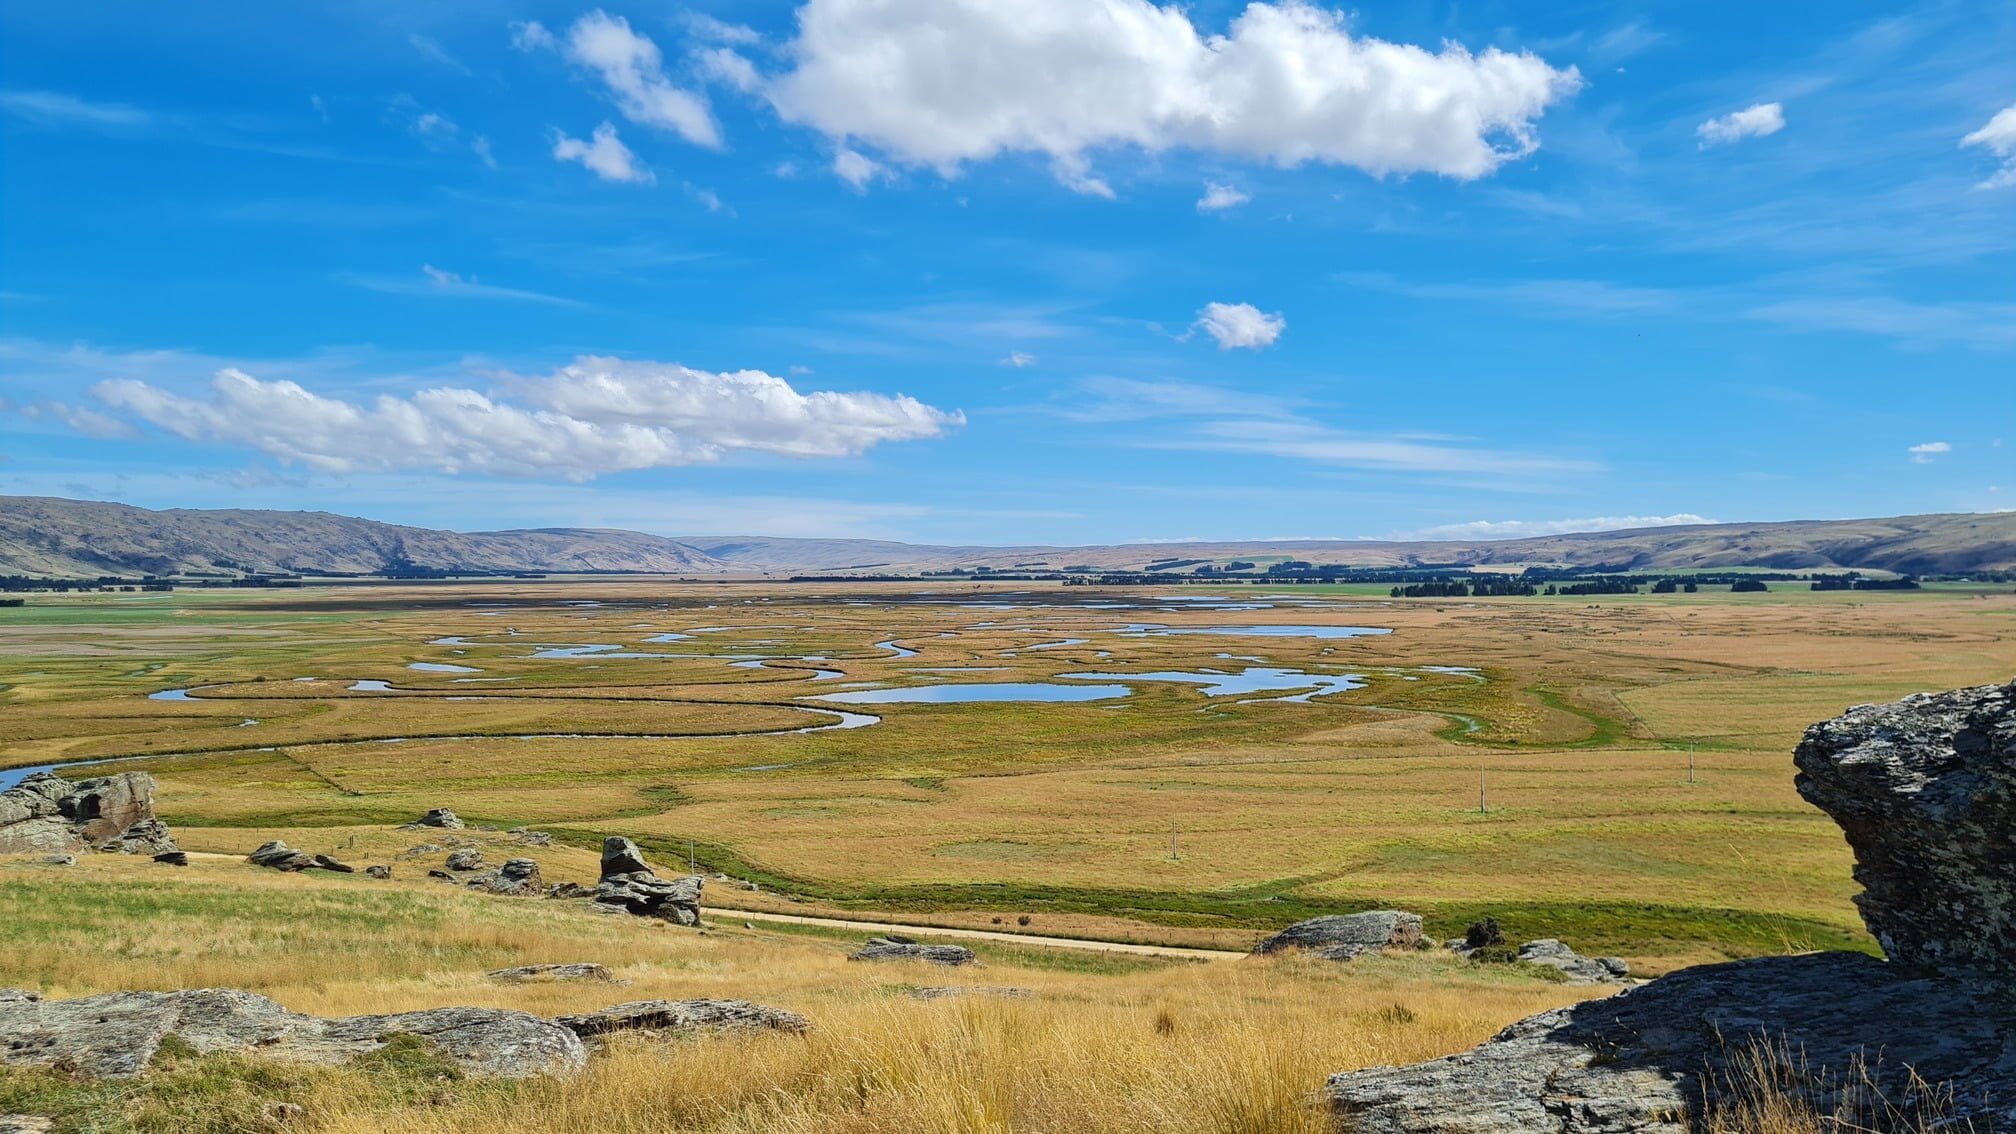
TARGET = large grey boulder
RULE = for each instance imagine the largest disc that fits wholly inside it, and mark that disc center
(47, 814)
(1579, 969)
(894, 948)
(468, 858)
(116, 1034)
(517, 878)
(628, 885)
(1926, 791)
(438, 817)
(277, 855)
(1340, 937)
(1647, 1060)
(682, 1015)
(621, 856)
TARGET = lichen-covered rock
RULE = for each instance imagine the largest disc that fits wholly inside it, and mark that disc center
(893, 948)
(468, 858)
(517, 878)
(682, 1015)
(621, 856)
(644, 894)
(539, 974)
(47, 814)
(172, 858)
(1646, 1060)
(1340, 937)
(381, 872)
(277, 855)
(324, 862)
(114, 1035)
(148, 836)
(1578, 968)
(438, 817)
(1926, 791)
(628, 885)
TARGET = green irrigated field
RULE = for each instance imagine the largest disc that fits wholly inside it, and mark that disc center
(1579, 719)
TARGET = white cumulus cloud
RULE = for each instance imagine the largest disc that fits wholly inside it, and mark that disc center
(604, 153)
(1019, 359)
(1520, 529)
(587, 419)
(1923, 454)
(1217, 197)
(1998, 137)
(634, 71)
(855, 169)
(940, 83)
(1237, 325)
(1757, 121)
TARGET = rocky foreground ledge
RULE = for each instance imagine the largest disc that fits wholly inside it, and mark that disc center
(1926, 790)
(116, 1035)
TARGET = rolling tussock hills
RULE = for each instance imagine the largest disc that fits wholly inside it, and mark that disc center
(51, 536)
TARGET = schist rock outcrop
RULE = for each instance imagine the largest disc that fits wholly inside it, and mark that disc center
(628, 885)
(114, 1035)
(517, 878)
(1340, 937)
(47, 814)
(683, 1016)
(891, 947)
(1926, 790)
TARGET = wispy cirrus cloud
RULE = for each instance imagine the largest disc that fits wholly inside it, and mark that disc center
(1986, 326)
(1522, 529)
(1561, 296)
(54, 108)
(436, 282)
(1204, 418)
(1321, 444)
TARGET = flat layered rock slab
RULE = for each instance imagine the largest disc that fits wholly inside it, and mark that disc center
(116, 1034)
(682, 1015)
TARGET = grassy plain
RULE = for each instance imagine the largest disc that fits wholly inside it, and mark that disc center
(1103, 1044)
(1581, 719)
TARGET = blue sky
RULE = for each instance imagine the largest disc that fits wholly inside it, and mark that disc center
(1072, 271)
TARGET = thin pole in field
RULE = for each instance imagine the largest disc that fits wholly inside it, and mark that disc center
(1481, 810)
(692, 863)
(1174, 856)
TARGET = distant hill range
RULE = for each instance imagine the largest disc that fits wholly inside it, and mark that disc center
(79, 538)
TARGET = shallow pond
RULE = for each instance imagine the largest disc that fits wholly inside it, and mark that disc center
(1254, 679)
(983, 691)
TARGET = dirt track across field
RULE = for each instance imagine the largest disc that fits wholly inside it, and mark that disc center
(724, 913)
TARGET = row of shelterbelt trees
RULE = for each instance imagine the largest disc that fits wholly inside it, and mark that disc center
(1546, 581)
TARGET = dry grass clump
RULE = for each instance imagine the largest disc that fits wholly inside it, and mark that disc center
(1771, 1089)
(1233, 1050)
